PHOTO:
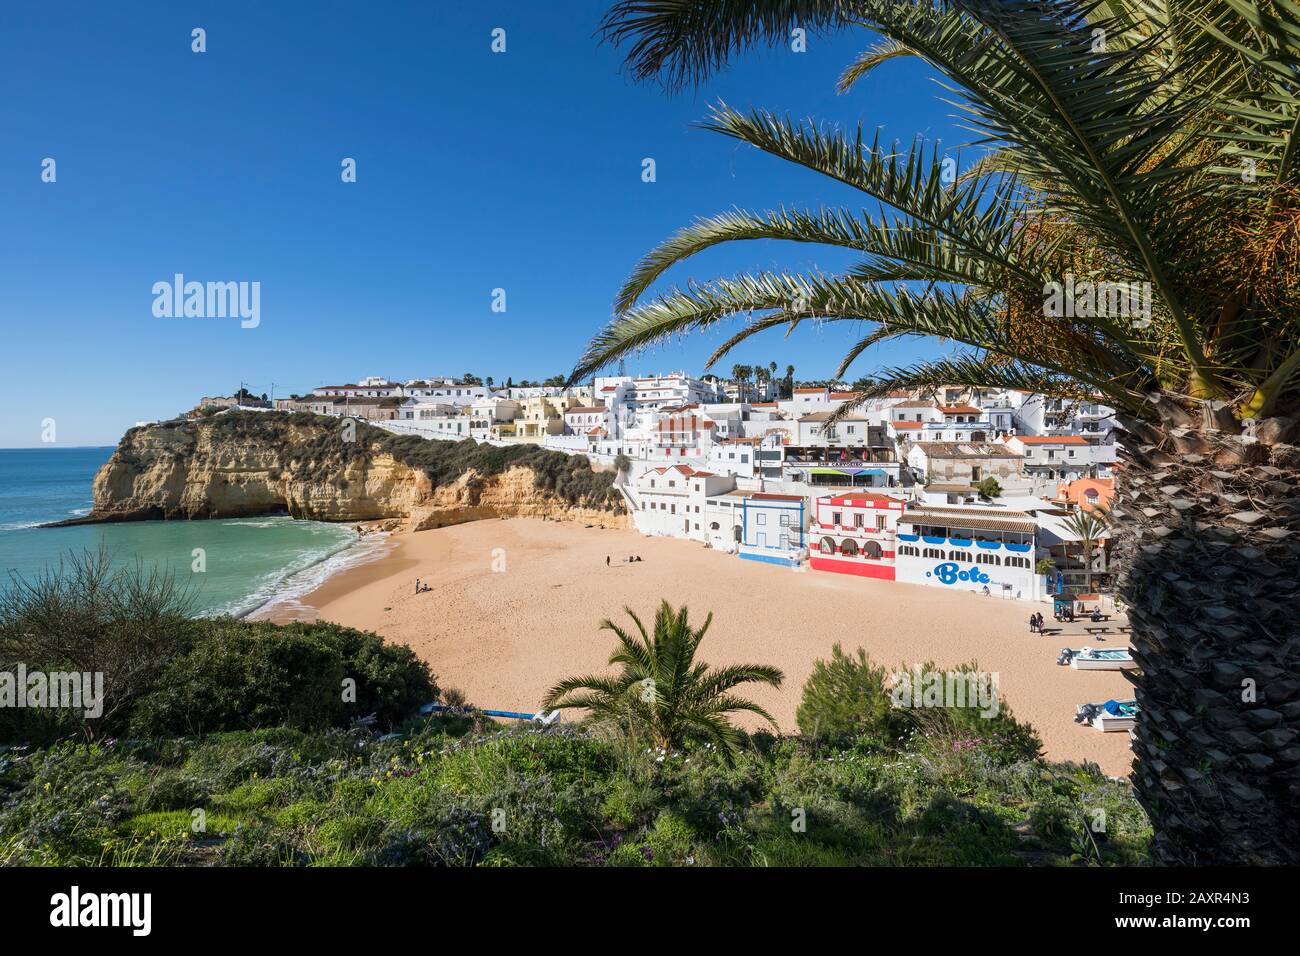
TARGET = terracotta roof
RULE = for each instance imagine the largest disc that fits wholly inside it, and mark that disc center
(769, 496)
(906, 424)
(844, 394)
(1050, 439)
(916, 403)
(959, 410)
(807, 391)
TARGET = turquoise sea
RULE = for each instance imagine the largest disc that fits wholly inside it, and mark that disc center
(249, 561)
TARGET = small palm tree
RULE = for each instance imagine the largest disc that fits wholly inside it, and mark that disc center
(662, 691)
(1090, 526)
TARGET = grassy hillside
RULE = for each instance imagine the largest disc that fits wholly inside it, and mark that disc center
(447, 792)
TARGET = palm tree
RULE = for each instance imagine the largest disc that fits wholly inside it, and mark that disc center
(1089, 526)
(662, 691)
(1143, 149)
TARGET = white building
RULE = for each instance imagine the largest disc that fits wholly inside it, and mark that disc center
(582, 419)
(985, 550)
(670, 500)
(1055, 457)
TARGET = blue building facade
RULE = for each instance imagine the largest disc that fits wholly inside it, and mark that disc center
(773, 528)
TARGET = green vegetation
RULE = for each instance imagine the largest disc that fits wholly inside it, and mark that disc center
(168, 673)
(850, 698)
(663, 695)
(989, 488)
(234, 751)
(453, 792)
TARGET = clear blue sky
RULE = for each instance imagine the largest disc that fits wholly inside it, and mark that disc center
(476, 171)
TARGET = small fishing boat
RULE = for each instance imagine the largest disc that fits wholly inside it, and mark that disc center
(1111, 716)
(1098, 659)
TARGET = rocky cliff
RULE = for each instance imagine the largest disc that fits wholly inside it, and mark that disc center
(247, 464)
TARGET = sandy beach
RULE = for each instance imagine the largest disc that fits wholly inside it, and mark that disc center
(516, 604)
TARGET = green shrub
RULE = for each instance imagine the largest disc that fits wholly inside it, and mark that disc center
(243, 675)
(848, 696)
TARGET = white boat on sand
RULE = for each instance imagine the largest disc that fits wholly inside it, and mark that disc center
(1110, 716)
(1098, 658)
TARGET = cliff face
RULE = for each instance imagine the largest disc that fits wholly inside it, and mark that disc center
(297, 466)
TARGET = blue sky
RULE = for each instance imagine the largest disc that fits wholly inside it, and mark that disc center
(476, 171)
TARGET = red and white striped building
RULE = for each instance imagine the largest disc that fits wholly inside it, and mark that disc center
(855, 533)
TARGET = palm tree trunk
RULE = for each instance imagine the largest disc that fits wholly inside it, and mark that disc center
(1206, 534)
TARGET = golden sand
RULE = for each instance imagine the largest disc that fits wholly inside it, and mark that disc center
(515, 605)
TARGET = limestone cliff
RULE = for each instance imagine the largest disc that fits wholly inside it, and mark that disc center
(248, 464)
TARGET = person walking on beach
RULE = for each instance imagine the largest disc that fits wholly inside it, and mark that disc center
(417, 585)
(1033, 623)
(606, 560)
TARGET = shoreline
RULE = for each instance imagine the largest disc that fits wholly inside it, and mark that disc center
(515, 605)
(357, 553)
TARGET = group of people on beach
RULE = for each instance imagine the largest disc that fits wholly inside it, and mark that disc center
(419, 588)
(1036, 623)
(630, 559)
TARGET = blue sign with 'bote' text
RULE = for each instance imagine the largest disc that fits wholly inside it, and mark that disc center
(950, 573)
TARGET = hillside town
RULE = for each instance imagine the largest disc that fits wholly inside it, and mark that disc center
(975, 489)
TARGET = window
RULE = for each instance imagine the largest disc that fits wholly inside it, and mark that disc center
(713, 526)
(880, 522)
(932, 553)
(835, 518)
(959, 556)
(828, 546)
(907, 550)
(762, 519)
(857, 520)
(785, 521)
(849, 547)
(982, 558)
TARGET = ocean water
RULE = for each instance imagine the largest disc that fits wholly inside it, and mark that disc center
(250, 562)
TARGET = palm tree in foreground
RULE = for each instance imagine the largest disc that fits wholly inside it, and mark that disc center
(1126, 232)
(662, 691)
